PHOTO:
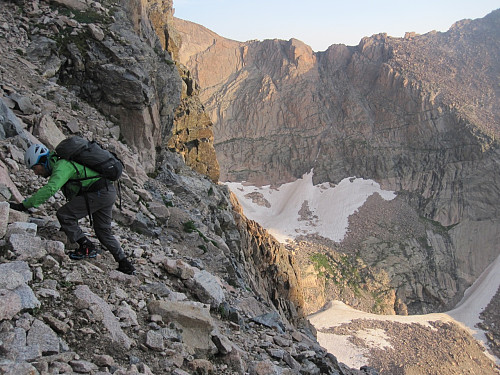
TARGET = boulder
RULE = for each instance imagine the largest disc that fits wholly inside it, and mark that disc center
(195, 320)
(27, 247)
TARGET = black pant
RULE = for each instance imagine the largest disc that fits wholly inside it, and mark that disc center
(100, 204)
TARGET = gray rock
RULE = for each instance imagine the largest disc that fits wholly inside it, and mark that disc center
(263, 368)
(290, 361)
(10, 125)
(171, 334)
(61, 367)
(41, 47)
(309, 368)
(160, 211)
(11, 279)
(10, 304)
(74, 277)
(42, 335)
(17, 368)
(56, 249)
(46, 293)
(271, 320)
(276, 352)
(52, 66)
(103, 310)
(13, 343)
(63, 357)
(195, 320)
(27, 297)
(24, 104)
(104, 360)
(48, 132)
(154, 340)
(50, 263)
(4, 218)
(5, 195)
(74, 128)
(21, 228)
(179, 268)
(160, 289)
(26, 246)
(126, 315)
(282, 341)
(57, 325)
(223, 344)
(96, 31)
(18, 266)
(124, 278)
(207, 288)
(81, 366)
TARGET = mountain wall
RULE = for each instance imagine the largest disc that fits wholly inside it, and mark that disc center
(417, 114)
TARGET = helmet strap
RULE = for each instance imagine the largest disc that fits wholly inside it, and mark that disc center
(46, 163)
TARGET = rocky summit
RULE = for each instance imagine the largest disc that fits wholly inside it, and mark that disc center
(418, 114)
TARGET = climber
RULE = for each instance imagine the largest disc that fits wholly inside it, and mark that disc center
(89, 195)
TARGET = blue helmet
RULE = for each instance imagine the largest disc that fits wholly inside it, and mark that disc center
(34, 153)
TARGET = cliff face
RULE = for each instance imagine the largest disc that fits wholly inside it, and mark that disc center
(417, 114)
(119, 65)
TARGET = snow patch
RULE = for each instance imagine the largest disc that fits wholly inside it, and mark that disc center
(301, 208)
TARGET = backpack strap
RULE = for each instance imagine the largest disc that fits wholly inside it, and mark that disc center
(83, 191)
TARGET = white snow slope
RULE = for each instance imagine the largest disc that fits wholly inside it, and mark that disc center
(327, 213)
(330, 206)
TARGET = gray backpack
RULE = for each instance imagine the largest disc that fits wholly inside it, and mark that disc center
(91, 154)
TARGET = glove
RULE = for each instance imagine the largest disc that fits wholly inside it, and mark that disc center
(17, 206)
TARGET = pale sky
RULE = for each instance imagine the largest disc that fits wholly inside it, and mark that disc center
(321, 23)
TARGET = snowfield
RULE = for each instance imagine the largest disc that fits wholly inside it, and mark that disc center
(329, 206)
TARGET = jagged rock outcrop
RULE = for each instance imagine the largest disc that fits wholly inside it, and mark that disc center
(417, 114)
(268, 262)
(192, 134)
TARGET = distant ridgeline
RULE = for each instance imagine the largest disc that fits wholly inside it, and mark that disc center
(419, 115)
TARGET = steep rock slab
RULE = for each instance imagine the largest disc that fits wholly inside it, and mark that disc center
(139, 93)
(87, 299)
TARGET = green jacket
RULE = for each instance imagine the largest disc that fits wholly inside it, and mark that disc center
(62, 172)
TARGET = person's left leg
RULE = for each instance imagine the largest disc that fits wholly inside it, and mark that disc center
(68, 216)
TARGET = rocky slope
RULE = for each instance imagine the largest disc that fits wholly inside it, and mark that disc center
(213, 293)
(417, 114)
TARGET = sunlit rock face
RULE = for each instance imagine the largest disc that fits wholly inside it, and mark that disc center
(418, 114)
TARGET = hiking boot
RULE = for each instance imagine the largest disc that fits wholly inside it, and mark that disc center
(126, 267)
(86, 250)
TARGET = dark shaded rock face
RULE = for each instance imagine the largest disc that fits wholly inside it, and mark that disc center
(124, 78)
(417, 114)
(119, 64)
